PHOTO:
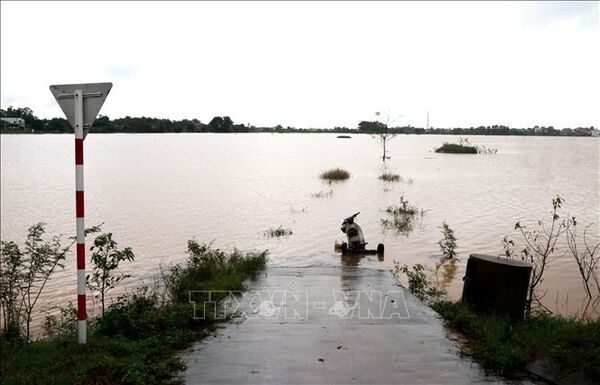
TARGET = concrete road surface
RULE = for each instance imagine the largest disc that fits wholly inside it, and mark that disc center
(342, 325)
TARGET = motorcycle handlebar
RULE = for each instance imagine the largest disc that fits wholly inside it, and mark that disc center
(351, 218)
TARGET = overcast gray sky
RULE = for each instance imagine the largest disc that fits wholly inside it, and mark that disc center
(312, 64)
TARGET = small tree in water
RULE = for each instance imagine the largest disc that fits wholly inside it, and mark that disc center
(540, 246)
(105, 260)
(448, 242)
(383, 134)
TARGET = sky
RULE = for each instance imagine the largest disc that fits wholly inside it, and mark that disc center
(312, 64)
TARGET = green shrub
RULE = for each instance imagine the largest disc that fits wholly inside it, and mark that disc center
(404, 208)
(276, 232)
(448, 244)
(212, 269)
(455, 148)
(402, 218)
(507, 346)
(418, 283)
(134, 342)
(390, 177)
(335, 174)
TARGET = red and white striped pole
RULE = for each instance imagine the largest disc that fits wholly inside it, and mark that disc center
(79, 214)
(81, 104)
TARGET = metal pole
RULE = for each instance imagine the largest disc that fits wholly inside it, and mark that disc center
(79, 214)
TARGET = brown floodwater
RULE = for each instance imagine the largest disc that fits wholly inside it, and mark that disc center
(154, 192)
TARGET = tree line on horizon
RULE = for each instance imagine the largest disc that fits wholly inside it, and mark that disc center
(224, 124)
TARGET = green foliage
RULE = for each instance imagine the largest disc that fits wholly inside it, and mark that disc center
(106, 258)
(448, 244)
(506, 346)
(220, 124)
(402, 218)
(418, 283)
(114, 360)
(212, 269)
(23, 277)
(464, 147)
(139, 317)
(335, 174)
(404, 208)
(454, 148)
(134, 342)
(224, 124)
(277, 232)
(371, 127)
(24, 113)
(390, 177)
(65, 324)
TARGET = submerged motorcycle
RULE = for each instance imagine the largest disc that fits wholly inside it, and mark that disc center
(356, 241)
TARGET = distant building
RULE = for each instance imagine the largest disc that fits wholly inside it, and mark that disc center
(596, 133)
(14, 122)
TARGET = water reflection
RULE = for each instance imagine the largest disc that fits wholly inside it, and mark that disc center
(447, 268)
(354, 260)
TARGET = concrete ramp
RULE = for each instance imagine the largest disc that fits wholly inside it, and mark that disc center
(343, 325)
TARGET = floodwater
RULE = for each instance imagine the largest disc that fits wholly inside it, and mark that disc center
(155, 192)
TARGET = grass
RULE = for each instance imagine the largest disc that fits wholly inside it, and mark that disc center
(135, 342)
(335, 174)
(403, 217)
(455, 148)
(278, 232)
(390, 177)
(507, 347)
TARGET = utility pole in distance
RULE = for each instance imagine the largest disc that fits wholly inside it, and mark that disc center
(80, 104)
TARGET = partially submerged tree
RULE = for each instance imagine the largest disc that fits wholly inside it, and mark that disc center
(379, 129)
(448, 244)
(448, 258)
(383, 134)
(587, 259)
(539, 249)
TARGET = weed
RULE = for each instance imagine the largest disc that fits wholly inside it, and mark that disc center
(418, 283)
(448, 243)
(402, 217)
(335, 174)
(454, 148)
(277, 232)
(404, 208)
(506, 346)
(390, 177)
(135, 341)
